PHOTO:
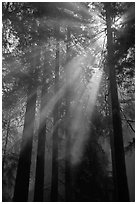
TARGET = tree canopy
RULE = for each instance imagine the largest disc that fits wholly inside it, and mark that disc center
(56, 106)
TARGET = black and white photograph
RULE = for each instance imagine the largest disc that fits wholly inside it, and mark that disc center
(68, 101)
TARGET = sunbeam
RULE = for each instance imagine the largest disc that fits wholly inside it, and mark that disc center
(79, 130)
(74, 70)
(64, 64)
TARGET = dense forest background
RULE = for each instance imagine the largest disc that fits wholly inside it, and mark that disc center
(58, 137)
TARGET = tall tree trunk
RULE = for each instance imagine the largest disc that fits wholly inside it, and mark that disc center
(120, 178)
(23, 170)
(5, 146)
(67, 132)
(54, 182)
(39, 179)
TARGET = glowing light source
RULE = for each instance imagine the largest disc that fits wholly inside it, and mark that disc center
(118, 23)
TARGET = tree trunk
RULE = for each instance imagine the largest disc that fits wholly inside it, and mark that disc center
(67, 132)
(54, 182)
(39, 179)
(23, 170)
(120, 178)
(5, 146)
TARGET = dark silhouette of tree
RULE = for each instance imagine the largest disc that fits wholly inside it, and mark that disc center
(40, 163)
(6, 142)
(23, 170)
(54, 181)
(67, 131)
(120, 178)
(58, 35)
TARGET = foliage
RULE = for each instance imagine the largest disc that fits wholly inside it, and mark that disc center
(29, 56)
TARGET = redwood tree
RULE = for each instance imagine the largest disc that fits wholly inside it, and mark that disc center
(23, 169)
(67, 132)
(120, 178)
(39, 179)
(54, 182)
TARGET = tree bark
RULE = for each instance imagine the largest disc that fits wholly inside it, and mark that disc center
(5, 146)
(39, 179)
(54, 182)
(67, 132)
(120, 178)
(23, 170)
